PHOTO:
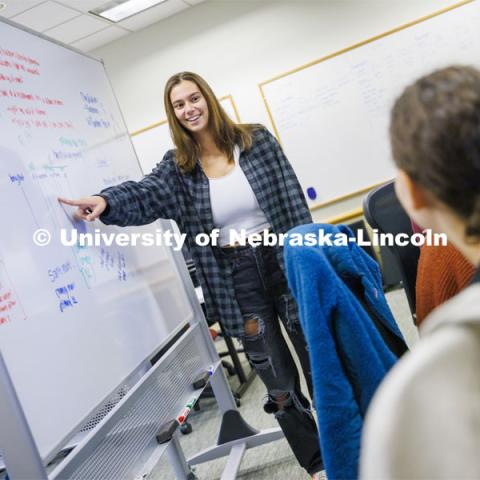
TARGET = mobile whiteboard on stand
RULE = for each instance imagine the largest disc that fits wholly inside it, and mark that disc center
(79, 323)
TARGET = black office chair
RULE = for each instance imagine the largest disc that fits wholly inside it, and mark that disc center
(384, 213)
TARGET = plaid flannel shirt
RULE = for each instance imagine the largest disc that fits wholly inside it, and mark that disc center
(185, 198)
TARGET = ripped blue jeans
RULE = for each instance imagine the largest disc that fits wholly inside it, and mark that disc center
(260, 289)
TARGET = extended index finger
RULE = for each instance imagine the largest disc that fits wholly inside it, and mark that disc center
(73, 203)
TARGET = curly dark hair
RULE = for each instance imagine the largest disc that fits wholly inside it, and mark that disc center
(435, 138)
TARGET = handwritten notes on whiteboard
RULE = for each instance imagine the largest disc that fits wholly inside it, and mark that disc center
(75, 319)
(332, 116)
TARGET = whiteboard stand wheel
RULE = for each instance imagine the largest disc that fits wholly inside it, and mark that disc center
(186, 428)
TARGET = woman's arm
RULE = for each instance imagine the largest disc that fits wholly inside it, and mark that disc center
(133, 203)
(88, 208)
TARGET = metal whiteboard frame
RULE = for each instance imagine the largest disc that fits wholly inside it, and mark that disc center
(22, 458)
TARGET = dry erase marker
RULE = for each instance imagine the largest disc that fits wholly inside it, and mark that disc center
(191, 403)
(184, 415)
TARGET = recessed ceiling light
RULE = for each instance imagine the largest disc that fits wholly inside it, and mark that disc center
(118, 10)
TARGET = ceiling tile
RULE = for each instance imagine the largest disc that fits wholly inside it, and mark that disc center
(154, 14)
(45, 16)
(83, 5)
(15, 7)
(76, 29)
(100, 38)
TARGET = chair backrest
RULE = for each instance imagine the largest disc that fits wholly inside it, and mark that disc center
(384, 212)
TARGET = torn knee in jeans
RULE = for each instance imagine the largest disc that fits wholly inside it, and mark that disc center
(282, 400)
(279, 401)
(254, 343)
(254, 327)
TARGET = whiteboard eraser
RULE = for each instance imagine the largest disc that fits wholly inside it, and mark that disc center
(166, 431)
(201, 380)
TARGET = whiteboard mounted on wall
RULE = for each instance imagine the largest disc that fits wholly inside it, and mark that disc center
(331, 116)
(152, 142)
(75, 321)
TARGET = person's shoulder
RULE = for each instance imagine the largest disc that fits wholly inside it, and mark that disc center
(170, 157)
(418, 380)
(261, 136)
(413, 406)
(463, 308)
(166, 166)
(258, 131)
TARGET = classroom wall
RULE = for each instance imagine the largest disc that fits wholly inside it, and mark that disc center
(236, 44)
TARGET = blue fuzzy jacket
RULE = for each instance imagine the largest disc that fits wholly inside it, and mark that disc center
(349, 358)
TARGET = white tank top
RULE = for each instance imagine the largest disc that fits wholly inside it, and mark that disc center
(234, 205)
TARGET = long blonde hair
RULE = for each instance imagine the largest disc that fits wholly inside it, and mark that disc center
(225, 132)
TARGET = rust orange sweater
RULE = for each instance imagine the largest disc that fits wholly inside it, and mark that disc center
(442, 273)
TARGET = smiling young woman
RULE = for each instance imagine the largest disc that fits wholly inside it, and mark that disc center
(231, 177)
